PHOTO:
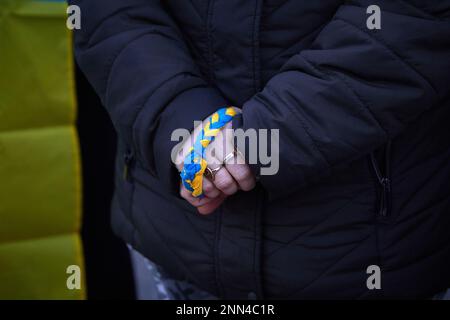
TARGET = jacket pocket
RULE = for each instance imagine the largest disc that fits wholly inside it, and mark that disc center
(380, 163)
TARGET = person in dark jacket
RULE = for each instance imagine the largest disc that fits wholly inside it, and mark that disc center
(364, 147)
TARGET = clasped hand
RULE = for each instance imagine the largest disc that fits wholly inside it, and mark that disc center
(229, 171)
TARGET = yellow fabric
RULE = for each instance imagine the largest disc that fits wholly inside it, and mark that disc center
(40, 189)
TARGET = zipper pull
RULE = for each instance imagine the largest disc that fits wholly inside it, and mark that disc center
(385, 194)
(128, 159)
(385, 183)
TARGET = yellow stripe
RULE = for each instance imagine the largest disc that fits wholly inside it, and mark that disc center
(204, 143)
(231, 112)
(212, 132)
(215, 118)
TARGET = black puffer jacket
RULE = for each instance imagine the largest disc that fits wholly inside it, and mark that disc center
(363, 116)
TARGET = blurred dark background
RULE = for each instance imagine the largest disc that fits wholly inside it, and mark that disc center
(107, 260)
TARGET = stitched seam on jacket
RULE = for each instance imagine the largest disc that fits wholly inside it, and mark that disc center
(134, 136)
(283, 51)
(275, 9)
(209, 18)
(113, 60)
(255, 47)
(217, 228)
(284, 245)
(256, 88)
(197, 11)
(303, 125)
(216, 251)
(259, 243)
(365, 106)
(361, 100)
(255, 240)
(356, 246)
(391, 52)
(423, 11)
(119, 14)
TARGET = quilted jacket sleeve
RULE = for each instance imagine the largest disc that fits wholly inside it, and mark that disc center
(354, 88)
(123, 47)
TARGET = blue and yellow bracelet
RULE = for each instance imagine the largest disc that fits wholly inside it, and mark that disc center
(194, 163)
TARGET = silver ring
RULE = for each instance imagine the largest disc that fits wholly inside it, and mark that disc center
(211, 173)
(230, 156)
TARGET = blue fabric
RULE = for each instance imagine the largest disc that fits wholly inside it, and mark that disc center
(339, 95)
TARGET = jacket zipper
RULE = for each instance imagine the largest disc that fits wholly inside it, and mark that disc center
(384, 180)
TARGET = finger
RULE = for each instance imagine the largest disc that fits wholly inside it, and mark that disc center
(242, 175)
(225, 182)
(179, 159)
(212, 206)
(240, 172)
(196, 202)
(210, 189)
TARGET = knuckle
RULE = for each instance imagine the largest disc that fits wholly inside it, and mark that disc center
(232, 189)
(243, 174)
(213, 193)
(224, 183)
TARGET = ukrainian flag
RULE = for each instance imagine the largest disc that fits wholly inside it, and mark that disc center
(40, 178)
